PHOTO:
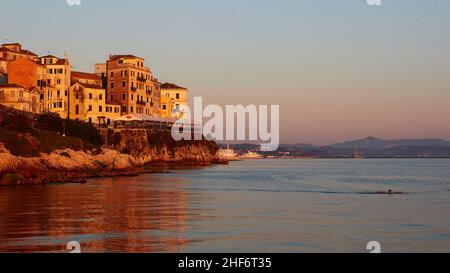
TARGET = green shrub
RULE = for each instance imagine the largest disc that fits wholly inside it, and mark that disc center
(84, 131)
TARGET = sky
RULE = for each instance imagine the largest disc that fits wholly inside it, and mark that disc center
(339, 69)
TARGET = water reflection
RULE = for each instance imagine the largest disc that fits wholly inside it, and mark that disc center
(120, 215)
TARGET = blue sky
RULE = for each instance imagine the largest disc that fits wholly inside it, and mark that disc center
(339, 69)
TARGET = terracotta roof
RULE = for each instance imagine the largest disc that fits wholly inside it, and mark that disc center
(48, 56)
(91, 86)
(171, 86)
(11, 44)
(10, 86)
(83, 75)
(25, 52)
(58, 62)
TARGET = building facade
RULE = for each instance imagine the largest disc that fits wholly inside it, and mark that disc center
(88, 103)
(121, 86)
(132, 84)
(177, 97)
(20, 98)
(58, 72)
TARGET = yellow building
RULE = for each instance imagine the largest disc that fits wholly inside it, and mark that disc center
(88, 103)
(58, 82)
(131, 84)
(178, 96)
(166, 107)
(17, 97)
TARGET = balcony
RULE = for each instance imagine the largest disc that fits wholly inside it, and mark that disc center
(141, 103)
(141, 79)
(134, 89)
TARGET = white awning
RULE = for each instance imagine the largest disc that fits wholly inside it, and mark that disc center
(145, 118)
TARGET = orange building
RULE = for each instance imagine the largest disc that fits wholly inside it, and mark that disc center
(26, 73)
(131, 84)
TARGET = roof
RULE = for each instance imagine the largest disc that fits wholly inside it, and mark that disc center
(91, 86)
(10, 86)
(26, 52)
(58, 61)
(171, 86)
(83, 75)
(49, 56)
(116, 57)
(11, 44)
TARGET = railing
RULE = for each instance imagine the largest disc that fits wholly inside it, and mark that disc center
(142, 103)
(134, 89)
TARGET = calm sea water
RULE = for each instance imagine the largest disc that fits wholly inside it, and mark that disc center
(253, 206)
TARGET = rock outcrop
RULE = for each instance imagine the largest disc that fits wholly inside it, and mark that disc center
(149, 146)
(64, 166)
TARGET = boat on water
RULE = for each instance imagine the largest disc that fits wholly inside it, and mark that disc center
(252, 155)
(357, 154)
(228, 154)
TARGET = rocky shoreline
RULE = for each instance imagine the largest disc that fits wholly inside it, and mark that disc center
(69, 166)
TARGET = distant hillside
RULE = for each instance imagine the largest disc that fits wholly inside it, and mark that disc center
(373, 143)
(368, 147)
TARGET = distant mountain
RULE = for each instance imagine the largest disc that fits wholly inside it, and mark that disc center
(370, 147)
(373, 143)
(300, 146)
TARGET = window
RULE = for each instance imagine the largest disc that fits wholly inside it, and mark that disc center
(112, 74)
(131, 109)
(90, 96)
(112, 85)
(100, 97)
(90, 108)
(77, 109)
(100, 109)
(124, 96)
(124, 109)
(123, 84)
(164, 107)
(65, 93)
(12, 94)
(76, 95)
(60, 104)
(58, 94)
(132, 97)
(112, 97)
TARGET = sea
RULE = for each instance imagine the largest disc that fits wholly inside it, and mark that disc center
(262, 206)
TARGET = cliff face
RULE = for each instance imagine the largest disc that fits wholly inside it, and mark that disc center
(158, 146)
